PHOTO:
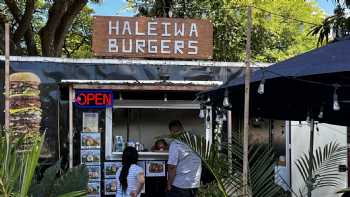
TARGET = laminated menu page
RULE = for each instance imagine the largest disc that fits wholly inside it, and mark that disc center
(94, 189)
(94, 173)
(90, 157)
(90, 122)
(90, 140)
(111, 168)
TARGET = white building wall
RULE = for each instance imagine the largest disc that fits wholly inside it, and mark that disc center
(300, 144)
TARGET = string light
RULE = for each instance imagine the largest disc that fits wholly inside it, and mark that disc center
(226, 102)
(320, 115)
(165, 97)
(336, 106)
(201, 112)
(261, 88)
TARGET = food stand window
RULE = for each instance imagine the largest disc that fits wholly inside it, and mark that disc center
(140, 121)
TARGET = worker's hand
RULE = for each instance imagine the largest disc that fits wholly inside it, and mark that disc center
(133, 194)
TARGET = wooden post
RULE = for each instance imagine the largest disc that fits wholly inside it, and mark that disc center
(7, 76)
(311, 155)
(229, 139)
(246, 191)
(71, 95)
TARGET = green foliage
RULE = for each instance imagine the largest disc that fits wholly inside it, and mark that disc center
(17, 165)
(78, 40)
(228, 178)
(56, 183)
(274, 37)
(324, 172)
(336, 26)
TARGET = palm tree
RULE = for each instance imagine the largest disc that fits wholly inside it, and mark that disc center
(228, 176)
(324, 172)
(337, 24)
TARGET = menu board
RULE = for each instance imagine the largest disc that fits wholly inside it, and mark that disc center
(110, 186)
(90, 140)
(111, 169)
(94, 189)
(90, 122)
(90, 157)
(94, 173)
(155, 168)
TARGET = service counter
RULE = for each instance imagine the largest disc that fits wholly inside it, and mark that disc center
(137, 122)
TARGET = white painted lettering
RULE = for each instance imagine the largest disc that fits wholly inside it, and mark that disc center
(140, 46)
(165, 32)
(152, 28)
(137, 30)
(181, 31)
(112, 46)
(126, 28)
(164, 46)
(111, 28)
(191, 45)
(152, 48)
(178, 46)
(124, 48)
(194, 29)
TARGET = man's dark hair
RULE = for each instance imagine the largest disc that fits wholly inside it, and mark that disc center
(175, 124)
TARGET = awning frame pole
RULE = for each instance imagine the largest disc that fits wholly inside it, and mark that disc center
(7, 76)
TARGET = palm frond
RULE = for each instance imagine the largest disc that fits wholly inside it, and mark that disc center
(228, 176)
(325, 163)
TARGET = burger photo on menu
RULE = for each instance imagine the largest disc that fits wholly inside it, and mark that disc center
(90, 140)
(110, 186)
(90, 122)
(94, 173)
(94, 189)
(90, 157)
(25, 105)
(111, 169)
(155, 168)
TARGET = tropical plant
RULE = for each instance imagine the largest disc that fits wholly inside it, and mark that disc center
(324, 169)
(336, 25)
(56, 181)
(18, 165)
(228, 176)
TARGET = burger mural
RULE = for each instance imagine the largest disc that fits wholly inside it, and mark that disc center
(25, 106)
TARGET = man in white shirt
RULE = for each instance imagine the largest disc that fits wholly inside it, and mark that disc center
(184, 167)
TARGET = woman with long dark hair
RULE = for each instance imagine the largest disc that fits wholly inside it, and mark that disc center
(130, 177)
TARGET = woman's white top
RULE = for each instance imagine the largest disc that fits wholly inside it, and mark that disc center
(133, 182)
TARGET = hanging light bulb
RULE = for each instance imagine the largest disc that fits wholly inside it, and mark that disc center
(308, 118)
(226, 102)
(336, 106)
(165, 97)
(202, 112)
(300, 125)
(320, 115)
(224, 117)
(208, 100)
(120, 96)
(261, 89)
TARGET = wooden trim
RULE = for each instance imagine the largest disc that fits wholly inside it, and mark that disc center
(148, 87)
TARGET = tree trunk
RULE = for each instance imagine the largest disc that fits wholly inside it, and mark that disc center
(47, 33)
(66, 23)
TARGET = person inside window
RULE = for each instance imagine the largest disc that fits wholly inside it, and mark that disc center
(130, 177)
(160, 146)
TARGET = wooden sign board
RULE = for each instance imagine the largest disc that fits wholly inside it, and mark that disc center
(142, 37)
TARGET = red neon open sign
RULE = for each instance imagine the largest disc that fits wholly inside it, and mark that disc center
(94, 98)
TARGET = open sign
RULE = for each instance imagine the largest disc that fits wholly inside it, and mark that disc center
(94, 98)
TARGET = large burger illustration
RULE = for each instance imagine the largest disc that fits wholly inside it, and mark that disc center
(25, 106)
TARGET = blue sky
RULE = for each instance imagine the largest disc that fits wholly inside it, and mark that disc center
(119, 7)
